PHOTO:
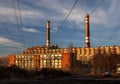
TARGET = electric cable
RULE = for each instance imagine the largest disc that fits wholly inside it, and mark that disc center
(21, 23)
(65, 19)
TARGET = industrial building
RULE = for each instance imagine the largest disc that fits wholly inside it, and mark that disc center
(51, 56)
(36, 58)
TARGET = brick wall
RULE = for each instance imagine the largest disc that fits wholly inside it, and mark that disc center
(11, 59)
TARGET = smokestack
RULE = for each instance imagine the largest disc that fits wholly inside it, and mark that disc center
(87, 34)
(48, 34)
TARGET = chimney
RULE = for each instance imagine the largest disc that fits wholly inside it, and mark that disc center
(48, 34)
(87, 34)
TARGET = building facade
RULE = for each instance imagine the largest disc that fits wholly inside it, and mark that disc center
(68, 59)
(36, 58)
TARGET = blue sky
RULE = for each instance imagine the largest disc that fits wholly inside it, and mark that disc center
(22, 23)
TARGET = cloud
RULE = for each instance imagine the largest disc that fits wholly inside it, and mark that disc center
(54, 29)
(106, 14)
(8, 42)
(42, 10)
(36, 12)
(33, 30)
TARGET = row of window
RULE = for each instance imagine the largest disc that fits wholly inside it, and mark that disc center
(24, 60)
(42, 65)
(19, 56)
(51, 66)
(45, 63)
(19, 63)
(59, 56)
(51, 57)
(49, 63)
(96, 50)
(84, 59)
(46, 60)
(58, 61)
(27, 67)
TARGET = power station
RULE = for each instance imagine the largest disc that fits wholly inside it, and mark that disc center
(51, 56)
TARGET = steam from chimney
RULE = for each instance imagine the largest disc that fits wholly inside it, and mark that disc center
(87, 34)
(48, 34)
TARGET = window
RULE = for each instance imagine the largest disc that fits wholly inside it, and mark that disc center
(56, 60)
(19, 56)
(16, 56)
(25, 64)
(16, 61)
(59, 57)
(52, 57)
(59, 66)
(85, 58)
(56, 55)
(44, 64)
(22, 56)
(56, 66)
(44, 55)
(41, 66)
(52, 65)
(44, 61)
(59, 61)
(81, 57)
(47, 57)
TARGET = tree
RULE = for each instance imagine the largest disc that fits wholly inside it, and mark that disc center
(105, 62)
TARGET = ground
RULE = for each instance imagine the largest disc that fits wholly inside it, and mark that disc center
(77, 79)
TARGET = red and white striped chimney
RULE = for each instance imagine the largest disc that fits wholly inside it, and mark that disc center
(87, 34)
(48, 34)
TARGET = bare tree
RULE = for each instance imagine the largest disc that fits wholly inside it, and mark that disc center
(105, 62)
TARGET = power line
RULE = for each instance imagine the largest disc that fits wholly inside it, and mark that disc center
(20, 19)
(65, 18)
(6, 28)
(106, 41)
(71, 11)
(13, 3)
(113, 41)
(96, 7)
(89, 14)
(4, 24)
(21, 23)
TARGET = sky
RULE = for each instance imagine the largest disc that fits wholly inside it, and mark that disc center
(22, 23)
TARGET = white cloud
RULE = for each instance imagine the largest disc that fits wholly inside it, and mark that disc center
(9, 42)
(100, 16)
(24, 13)
(31, 30)
(107, 16)
(37, 13)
